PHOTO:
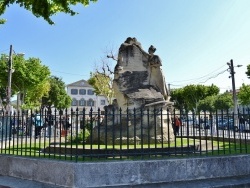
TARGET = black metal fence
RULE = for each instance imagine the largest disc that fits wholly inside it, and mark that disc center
(134, 134)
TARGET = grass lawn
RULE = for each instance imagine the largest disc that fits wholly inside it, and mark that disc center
(175, 149)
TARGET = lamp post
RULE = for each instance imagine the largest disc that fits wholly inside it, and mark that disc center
(231, 69)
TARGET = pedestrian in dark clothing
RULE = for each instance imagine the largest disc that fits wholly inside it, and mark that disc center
(242, 124)
(68, 122)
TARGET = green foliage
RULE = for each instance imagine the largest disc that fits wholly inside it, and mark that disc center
(57, 96)
(102, 84)
(189, 96)
(2, 21)
(33, 96)
(223, 101)
(216, 102)
(207, 104)
(3, 95)
(45, 9)
(79, 138)
(178, 98)
(30, 78)
(248, 71)
(88, 126)
(212, 90)
(244, 94)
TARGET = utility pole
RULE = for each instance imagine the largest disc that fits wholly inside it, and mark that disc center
(10, 70)
(231, 69)
(169, 89)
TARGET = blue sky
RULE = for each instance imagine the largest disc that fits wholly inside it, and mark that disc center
(194, 38)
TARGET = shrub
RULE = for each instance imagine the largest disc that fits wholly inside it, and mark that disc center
(81, 137)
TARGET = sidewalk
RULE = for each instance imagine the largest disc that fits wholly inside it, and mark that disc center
(11, 182)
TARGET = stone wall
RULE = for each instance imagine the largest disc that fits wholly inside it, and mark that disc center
(124, 173)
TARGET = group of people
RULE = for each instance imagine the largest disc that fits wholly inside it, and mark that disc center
(207, 124)
(242, 124)
(47, 123)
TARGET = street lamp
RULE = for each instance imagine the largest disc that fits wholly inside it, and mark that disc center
(231, 69)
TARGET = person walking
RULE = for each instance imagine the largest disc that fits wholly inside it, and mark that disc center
(212, 123)
(177, 124)
(49, 125)
(38, 125)
(242, 124)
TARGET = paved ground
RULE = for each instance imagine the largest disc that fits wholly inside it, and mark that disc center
(11, 182)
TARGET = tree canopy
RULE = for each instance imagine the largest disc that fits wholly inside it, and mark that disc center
(57, 96)
(189, 96)
(244, 94)
(30, 79)
(216, 102)
(178, 98)
(2, 21)
(248, 71)
(207, 104)
(45, 9)
(223, 101)
(102, 84)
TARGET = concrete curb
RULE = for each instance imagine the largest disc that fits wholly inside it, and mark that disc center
(124, 173)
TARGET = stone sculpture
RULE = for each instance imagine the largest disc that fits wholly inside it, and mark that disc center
(140, 88)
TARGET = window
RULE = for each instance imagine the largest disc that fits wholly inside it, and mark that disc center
(74, 91)
(82, 102)
(74, 102)
(102, 102)
(90, 92)
(91, 102)
(82, 91)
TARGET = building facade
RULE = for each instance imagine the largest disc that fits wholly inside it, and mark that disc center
(83, 96)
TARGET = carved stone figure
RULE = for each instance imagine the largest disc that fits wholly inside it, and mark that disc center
(139, 87)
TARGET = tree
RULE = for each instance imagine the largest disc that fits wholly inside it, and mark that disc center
(2, 96)
(33, 97)
(212, 90)
(29, 79)
(207, 104)
(248, 71)
(178, 98)
(216, 102)
(45, 9)
(244, 94)
(194, 93)
(102, 84)
(2, 21)
(223, 101)
(102, 78)
(189, 96)
(57, 96)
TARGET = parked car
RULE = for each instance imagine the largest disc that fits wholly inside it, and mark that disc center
(227, 124)
(190, 121)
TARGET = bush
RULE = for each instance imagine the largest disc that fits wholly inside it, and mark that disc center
(80, 138)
